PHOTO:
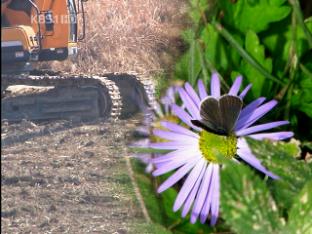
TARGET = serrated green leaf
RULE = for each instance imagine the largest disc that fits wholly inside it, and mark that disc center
(256, 50)
(256, 15)
(302, 96)
(279, 158)
(246, 203)
(300, 215)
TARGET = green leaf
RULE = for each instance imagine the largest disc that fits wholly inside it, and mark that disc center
(278, 40)
(300, 215)
(148, 228)
(141, 150)
(302, 95)
(258, 80)
(198, 8)
(246, 203)
(255, 15)
(217, 51)
(148, 192)
(189, 66)
(194, 63)
(279, 157)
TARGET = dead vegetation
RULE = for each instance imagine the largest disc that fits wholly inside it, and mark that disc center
(129, 35)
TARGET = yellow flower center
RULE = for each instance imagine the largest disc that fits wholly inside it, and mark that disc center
(214, 147)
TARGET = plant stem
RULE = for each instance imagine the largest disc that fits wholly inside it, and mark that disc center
(293, 63)
(296, 8)
(244, 54)
(305, 70)
(203, 64)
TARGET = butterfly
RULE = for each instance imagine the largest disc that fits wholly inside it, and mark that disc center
(219, 115)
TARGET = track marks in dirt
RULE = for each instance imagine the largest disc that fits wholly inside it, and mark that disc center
(73, 180)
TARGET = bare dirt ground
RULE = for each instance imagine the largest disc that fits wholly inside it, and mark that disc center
(129, 35)
(67, 178)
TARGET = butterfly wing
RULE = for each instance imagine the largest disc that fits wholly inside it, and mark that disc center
(210, 113)
(230, 108)
(220, 115)
(205, 126)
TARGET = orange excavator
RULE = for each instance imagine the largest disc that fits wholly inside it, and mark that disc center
(45, 30)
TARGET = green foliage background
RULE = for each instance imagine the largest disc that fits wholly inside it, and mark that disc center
(269, 42)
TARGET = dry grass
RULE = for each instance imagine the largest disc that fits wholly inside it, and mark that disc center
(129, 35)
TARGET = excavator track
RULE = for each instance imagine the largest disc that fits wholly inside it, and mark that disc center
(82, 97)
(137, 92)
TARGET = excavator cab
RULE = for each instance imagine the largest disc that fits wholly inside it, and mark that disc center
(36, 30)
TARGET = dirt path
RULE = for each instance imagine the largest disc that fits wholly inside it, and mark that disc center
(61, 178)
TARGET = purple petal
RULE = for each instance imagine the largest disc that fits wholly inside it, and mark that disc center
(247, 120)
(191, 92)
(215, 196)
(202, 193)
(174, 155)
(245, 153)
(251, 107)
(189, 104)
(245, 91)
(215, 85)
(275, 136)
(206, 208)
(178, 129)
(185, 117)
(202, 90)
(190, 199)
(169, 98)
(172, 165)
(177, 175)
(173, 136)
(144, 157)
(236, 86)
(261, 127)
(172, 145)
(189, 184)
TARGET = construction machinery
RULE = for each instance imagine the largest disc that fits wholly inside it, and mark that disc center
(47, 30)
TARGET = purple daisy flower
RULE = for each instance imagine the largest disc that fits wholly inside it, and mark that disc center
(161, 111)
(195, 152)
